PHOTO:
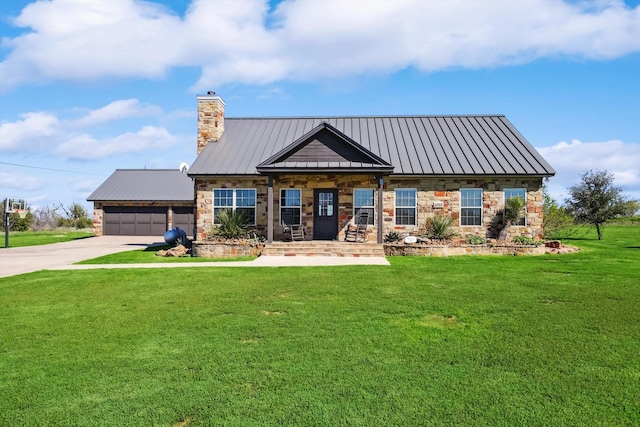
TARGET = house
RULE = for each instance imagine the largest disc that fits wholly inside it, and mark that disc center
(321, 171)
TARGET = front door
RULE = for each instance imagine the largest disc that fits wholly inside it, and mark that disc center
(325, 214)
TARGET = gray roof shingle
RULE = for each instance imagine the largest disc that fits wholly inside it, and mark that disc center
(145, 185)
(414, 145)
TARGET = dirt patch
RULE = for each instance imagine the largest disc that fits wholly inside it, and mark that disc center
(183, 423)
(272, 313)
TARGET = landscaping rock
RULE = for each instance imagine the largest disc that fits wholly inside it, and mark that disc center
(177, 251)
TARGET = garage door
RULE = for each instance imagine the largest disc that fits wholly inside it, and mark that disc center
(135, 220)
(183, 219)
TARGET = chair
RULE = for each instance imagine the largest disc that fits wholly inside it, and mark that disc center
(290, 230)
(357, 231)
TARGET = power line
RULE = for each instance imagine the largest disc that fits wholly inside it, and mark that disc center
(50, 169)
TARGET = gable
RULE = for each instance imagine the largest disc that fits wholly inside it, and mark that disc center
(324, 149)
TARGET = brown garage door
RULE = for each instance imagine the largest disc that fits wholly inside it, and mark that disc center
(135, 220)
(183, 219)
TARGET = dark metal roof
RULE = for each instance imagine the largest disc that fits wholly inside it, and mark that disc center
(414, 145)
(145, 185)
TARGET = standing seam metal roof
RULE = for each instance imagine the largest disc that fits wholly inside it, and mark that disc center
(414, 145)
(145, 185)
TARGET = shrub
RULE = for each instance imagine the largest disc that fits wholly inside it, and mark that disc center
(392, 236)
(525, 240)
(474, 239)
(440, 227)
(232, 225)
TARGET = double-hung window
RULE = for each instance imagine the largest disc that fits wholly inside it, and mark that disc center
(510, 193)
(364, 202)
(405, 206)
(291, 206)
(470, 206)
(237, 200)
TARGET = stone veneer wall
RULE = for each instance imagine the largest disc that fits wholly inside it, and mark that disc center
(98, 212)
(429, 190)
(210, 120)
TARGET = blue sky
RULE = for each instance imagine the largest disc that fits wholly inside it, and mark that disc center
(88, 87)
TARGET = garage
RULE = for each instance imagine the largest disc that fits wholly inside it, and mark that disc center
(143, 202)
(135, 220)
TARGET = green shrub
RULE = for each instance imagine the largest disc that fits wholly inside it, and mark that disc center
(440, 227)
(231, 225)
(474, 239)
(525, 240)
(392, 236)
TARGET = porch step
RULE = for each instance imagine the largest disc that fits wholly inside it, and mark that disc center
(322, 248)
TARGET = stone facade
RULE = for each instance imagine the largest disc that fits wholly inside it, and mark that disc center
(434, 196)
(210, 120)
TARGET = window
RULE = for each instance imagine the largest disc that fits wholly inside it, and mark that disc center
(405, 207)
(470, 206)
(291, 206)
(516, 192)
(240, 200)
(364, 201)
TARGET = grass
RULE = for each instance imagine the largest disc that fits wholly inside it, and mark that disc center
(37, 238)
(500, 341)
(148, 255)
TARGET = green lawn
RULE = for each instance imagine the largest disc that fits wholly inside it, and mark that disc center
(496, 341)
(36, 238)
(148, 255)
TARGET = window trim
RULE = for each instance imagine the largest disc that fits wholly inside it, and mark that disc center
(504, 200)
(372, 219)
(472, 207)
(396, 206)
(235, 204)
(299, 207)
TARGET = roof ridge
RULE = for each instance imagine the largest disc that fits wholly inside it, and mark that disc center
(321, 117)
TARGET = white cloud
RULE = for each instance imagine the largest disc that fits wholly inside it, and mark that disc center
(17, 183)
(117, 110)
(241, 41)
(47, 134)
(31, 131)
(85, 147)
(571, 160)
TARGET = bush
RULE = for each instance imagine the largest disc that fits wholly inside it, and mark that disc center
(474, 239)
(392, 236)
(440, 227)
(525, 240)
(232, 225)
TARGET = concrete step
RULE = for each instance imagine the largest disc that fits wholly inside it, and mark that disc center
(322, 248)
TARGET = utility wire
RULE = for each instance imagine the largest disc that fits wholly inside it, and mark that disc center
(49, 169)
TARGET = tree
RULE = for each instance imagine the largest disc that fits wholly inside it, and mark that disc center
(77, 216)
(631, 207)
(556, 219)
(513, 211)
(595, 200)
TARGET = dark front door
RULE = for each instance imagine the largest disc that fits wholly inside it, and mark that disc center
(325, 214)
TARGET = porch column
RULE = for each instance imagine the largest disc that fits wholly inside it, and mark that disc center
(380, 208)
(270, 210)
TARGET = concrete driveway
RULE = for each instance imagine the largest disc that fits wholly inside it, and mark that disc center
(34, 258)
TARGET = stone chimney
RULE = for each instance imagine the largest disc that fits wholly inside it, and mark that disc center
(210, 119)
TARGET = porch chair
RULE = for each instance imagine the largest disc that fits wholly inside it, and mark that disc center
(290, 230)
(357, 231)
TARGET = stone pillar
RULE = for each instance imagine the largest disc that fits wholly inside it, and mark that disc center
(210, 119)
(380, 208)
(270, 210)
